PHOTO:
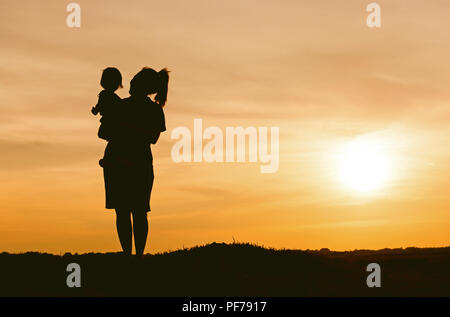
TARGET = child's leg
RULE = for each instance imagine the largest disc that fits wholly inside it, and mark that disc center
(124, 230)
(140, 227)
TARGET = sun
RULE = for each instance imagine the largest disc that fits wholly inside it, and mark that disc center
(364, 165)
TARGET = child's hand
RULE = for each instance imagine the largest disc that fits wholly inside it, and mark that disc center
(94, 111)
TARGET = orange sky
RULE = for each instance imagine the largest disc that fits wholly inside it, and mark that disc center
(312, 68)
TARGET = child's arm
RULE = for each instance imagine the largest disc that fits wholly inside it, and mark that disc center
(102, 101)
(94, 110)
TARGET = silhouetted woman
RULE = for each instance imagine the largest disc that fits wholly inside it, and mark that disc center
(127, 164)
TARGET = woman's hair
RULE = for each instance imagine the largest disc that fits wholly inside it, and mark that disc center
(111, 78)
(148, 81)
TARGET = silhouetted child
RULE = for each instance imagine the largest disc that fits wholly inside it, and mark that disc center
(108, 101)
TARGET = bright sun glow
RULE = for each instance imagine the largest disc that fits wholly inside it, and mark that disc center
(364, 165)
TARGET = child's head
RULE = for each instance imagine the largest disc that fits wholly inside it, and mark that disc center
(111, 79)
(148, 81)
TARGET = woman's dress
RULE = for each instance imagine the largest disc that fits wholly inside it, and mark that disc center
(128, 162)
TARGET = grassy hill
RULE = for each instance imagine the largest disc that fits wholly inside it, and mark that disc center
(220, 269)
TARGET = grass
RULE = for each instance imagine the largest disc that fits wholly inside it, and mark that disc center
(237, 269)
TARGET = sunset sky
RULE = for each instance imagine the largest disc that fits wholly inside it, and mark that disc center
(312, 68)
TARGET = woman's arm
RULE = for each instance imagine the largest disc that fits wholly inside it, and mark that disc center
(145, 126)
(154, 137)
(155, 125)
(140, 132)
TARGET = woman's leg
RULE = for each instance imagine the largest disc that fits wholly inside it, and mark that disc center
(140, 227)
(124, 230)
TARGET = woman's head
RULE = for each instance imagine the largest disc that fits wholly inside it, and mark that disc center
(148, 81)
(111, 79)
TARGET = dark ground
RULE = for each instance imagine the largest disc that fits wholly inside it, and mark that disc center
(231, 270)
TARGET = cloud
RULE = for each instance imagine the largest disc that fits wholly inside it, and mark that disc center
(29, 155)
